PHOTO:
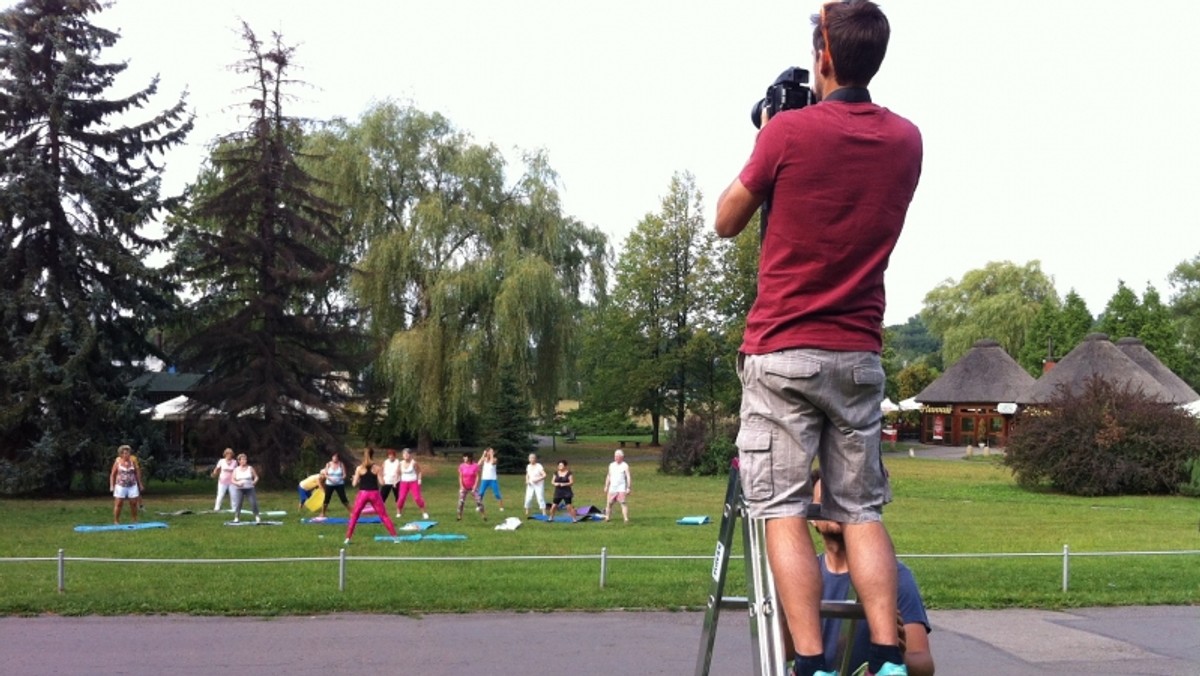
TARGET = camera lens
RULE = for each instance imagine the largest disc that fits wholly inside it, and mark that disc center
(756, 113)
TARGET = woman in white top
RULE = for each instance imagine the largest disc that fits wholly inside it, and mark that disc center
(125, 482)
(334, 476)
(535, 484)
(410, 484)
(244, 479)
(490, 477)
(390, 479)
(223, 472)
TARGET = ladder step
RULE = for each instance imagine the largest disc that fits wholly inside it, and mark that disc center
(838, 610)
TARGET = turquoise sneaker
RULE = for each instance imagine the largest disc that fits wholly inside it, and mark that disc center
(889, 669)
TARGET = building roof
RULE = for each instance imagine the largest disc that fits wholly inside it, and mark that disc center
(159, 386)
(1142, 356)
(1096, 357)
(986, 373)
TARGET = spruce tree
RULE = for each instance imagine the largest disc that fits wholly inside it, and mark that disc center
(77, 299)
(277, 352)
(508, 427)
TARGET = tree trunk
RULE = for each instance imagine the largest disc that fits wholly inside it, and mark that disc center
(424, 442)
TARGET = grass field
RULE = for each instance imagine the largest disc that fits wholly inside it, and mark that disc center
(941, 507)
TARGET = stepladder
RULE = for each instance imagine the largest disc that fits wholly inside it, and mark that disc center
(768, 647)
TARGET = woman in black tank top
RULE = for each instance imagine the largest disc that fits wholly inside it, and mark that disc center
(366, 479)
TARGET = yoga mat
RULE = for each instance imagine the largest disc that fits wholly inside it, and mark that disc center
(417, 537)
(314, 501)
(252, 522)
(339, 520)
(122, 526)
(278, 512)
(180, 512)
(418, 525)
(559, 518)
(693, 521)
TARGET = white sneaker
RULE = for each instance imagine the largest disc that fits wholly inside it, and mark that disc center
(236, 520)
(399, 515)
(257, 519)
(424, 515)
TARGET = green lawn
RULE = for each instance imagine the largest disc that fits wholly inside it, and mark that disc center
(941, 507)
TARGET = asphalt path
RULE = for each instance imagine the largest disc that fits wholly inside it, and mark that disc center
(1157, 640)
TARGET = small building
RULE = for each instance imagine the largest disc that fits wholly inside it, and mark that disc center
(1097, 357)
(1181, 392)
(973, 402)
(159, 386)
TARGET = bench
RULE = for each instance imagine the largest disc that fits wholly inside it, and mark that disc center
(636, 444)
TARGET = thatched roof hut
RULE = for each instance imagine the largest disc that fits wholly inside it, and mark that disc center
(1137, 351)
(1097, 357)
(986, 373)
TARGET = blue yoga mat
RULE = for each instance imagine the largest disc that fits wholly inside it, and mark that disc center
(338, 520)
(120, 526)
(417, 537)
(559, 518)
(693, 521)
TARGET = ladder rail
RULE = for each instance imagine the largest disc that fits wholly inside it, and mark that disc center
(766, 629)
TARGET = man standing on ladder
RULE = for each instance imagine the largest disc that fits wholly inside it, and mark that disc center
(840, 175)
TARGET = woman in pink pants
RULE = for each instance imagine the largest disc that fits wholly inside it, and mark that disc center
(409, 484)
(366, 479)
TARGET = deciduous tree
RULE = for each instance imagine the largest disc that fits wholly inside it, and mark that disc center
(463, 270)
(998, 301)
(659, 279)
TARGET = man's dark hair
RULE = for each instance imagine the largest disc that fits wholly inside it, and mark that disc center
(858, 34)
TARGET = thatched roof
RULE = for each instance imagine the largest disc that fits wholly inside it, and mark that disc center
(1095, 357)
(1137, 351)
(984, 374)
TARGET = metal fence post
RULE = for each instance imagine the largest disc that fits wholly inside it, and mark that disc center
(342, 569)
(62, 572)
(603, 566)
(1066, 565)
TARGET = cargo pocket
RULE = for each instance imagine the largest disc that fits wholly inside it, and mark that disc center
(754, 447)
(869, 375)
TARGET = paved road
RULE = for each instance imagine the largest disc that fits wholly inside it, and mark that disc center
(1157, 640)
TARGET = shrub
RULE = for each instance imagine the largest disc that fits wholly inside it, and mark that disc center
(601, 423)
(692, 450)
(1104, 440)
(717, 458)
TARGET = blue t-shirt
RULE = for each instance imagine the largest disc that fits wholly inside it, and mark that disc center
(837, 588)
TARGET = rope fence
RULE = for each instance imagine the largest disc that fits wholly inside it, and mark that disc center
(603, 557)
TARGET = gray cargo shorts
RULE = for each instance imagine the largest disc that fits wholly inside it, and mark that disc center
(803, 405)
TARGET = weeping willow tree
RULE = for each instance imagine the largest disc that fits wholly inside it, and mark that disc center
(462, 272)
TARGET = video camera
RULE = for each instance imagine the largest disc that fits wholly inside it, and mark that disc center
(790, 90)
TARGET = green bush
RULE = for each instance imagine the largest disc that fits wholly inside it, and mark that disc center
(692, 449)
(601, 423)
(1104, 440)
(720, 453)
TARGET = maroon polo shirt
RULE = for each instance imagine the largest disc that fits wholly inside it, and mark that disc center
(839, 176)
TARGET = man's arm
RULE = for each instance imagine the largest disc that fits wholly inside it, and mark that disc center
(735, 207)
(917, 656)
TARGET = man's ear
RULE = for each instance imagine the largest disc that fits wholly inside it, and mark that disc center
(825, 64)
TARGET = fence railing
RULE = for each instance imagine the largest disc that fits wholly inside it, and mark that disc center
(603, 557)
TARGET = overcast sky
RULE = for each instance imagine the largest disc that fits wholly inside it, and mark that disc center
(1063, 132)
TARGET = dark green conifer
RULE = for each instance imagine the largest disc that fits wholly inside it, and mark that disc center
(79, 183)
